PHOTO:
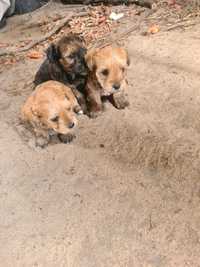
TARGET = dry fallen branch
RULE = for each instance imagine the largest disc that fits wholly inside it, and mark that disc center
(143, 3)
(182, 25)
(45, 37)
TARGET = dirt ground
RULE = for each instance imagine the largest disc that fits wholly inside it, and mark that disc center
(126, 192)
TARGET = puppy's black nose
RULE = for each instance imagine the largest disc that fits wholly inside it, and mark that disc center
(116, 86)
(71, 125)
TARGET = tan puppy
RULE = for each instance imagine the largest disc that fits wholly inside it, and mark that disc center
(50, 110)
(107, 70)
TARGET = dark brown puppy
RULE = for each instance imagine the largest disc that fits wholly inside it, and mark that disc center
(106, 78)
(65, 63)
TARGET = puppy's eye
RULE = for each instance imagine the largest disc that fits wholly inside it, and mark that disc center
(55, 119)
(123, 69)
(69, 109)
(105, 72)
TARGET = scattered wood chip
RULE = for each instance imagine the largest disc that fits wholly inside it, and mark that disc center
(2, 45)
(153, 29)
(171, 2)
(9, 61)
(35, 55)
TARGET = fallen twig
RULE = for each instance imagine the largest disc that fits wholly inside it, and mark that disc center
(45, 37)
(180, 26)
(143, 3)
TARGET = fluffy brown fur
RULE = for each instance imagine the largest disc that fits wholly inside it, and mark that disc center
(106, 79)
(50, 110)
(65, 63)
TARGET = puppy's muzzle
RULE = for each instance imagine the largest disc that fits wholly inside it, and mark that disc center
(51, 132)
(115, 88)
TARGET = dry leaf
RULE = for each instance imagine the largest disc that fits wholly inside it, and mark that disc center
(2, 45)
(102, 19)
(153, 29)
(177, 7)
(35, 54)
(171, 2)
(10, 61)
(13, 60)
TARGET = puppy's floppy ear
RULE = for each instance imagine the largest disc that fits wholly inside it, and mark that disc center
(35, 112)
(72, 99)
(123, 56)
(90, 59)
(53, 53)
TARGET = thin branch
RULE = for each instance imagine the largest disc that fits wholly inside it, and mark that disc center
(45, 37)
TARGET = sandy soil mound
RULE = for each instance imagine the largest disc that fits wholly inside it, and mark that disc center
(126, 192)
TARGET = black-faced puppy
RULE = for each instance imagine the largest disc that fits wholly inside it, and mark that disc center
(106, 79)
(65, 63)
(51, 110)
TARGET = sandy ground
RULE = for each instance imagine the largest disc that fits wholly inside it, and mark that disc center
(126, 192)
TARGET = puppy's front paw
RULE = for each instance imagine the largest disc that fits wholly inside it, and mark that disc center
(78, 110)
(66, 138)
(41, 142)
(120, 101)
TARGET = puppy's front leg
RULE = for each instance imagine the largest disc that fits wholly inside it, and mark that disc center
(119, 100)
(95, 103)
(41, 138)
(81, 99)
(66, 138)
